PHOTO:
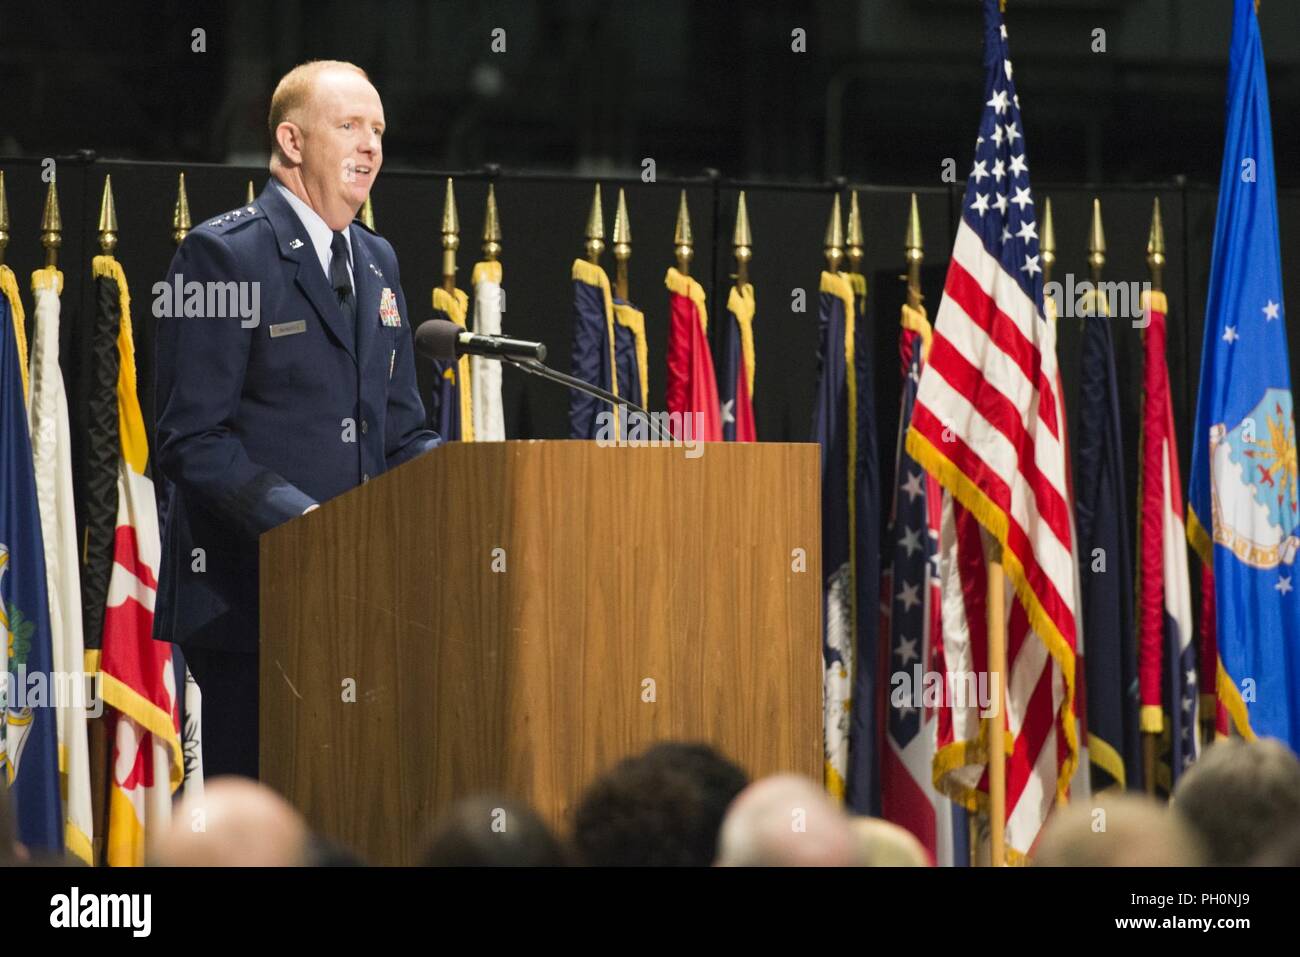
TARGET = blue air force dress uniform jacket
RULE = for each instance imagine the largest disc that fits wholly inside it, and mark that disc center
(257, 422)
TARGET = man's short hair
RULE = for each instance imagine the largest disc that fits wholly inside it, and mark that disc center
(1117, 829)
(294, 90)
(1240, 797)
(491, 831)
(660, 808)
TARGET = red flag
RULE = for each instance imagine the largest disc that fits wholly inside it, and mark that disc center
(1165, 594)
(691, 385)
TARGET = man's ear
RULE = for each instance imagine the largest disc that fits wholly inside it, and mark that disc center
(288, 137)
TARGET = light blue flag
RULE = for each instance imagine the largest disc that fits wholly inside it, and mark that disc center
(1242, 500)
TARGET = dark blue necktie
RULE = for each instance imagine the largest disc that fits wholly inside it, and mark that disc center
(342, 282)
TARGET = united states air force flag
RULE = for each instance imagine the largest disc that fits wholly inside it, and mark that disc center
(1243, 508)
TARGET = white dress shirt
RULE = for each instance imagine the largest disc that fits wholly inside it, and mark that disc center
(321, 236)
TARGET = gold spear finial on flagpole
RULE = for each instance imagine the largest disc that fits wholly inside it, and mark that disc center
(450, 238)
(595, 244)
(107, 218)
(367, 214)
(854, 237)
(742, 241)
(622, 246)
(251, 196)
(180, 213)
(51, 226)
(1156, 248)
(683, 239)
(1096, 243)
(491, 227)
(914, 251)
(833, 245)
(4, 218)
(1047, 243)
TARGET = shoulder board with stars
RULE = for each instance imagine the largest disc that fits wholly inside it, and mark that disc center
(242, 214)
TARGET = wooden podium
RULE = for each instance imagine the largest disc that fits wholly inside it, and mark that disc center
(515, 617)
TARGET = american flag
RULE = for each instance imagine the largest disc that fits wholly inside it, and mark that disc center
(989, 425)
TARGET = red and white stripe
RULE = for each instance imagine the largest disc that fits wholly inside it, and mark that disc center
(990, 424)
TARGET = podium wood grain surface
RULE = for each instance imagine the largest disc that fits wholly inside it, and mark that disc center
(515, 617)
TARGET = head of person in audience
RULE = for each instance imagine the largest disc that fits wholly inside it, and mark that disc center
(1284, 852)
(786, 821)
(884, 844)
(1240, 797)
(662, 807)
(236, 822)
(11, 852)
(491, 831)
(1117, 830)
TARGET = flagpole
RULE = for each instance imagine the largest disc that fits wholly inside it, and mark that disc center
(51, 226)
(181, 222)
(1156, 263)
(742, 243)
(997, 665)
(997, 648)
(914, 254)
(622, 246)
(450, 238)
(4, 218)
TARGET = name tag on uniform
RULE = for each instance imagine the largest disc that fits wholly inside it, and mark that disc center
(388, 313)
(288, 328)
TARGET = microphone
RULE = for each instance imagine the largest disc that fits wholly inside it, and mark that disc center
(446, 341)
(443, 341)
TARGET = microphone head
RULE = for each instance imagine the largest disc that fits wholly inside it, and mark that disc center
(437, 339)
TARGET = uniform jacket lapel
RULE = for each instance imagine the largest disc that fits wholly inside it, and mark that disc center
(295, 246)
(369, 282)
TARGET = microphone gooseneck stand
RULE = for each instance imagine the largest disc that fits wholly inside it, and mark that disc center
(544, 371)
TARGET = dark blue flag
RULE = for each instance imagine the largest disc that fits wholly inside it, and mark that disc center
(29, 746)
(631, 352)
(1105, 566)
(844, 426)
(862, 790)
(593, 348)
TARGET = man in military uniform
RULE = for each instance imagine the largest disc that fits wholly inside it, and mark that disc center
(262, 418)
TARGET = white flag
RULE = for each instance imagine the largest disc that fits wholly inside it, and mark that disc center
(485, 374)
(47, 414)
